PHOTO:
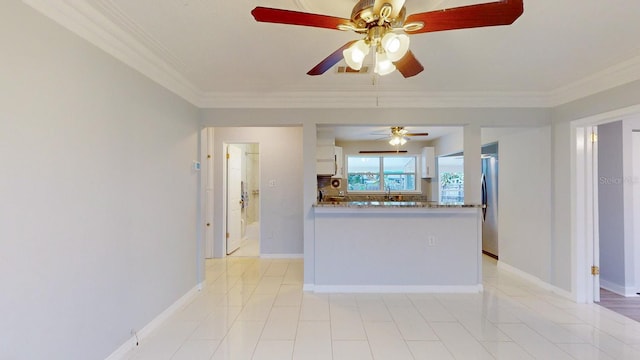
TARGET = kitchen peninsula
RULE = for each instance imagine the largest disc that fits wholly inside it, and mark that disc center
(397, 246)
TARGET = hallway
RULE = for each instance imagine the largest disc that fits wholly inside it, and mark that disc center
(254, 308)
(250, 246)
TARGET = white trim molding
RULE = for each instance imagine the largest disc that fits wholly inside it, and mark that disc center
(101, 23)
(398, 289)
(609, 78)
(627, 291)
(122, 40)
(367, 99)
(154, 324)
(535, 280)
(282, 256)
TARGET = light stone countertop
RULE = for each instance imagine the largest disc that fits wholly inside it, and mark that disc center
(391, 204)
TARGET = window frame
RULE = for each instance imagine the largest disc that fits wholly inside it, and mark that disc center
(381, 174)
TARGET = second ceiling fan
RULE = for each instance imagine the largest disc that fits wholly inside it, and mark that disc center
(385, 26)
(400, 135)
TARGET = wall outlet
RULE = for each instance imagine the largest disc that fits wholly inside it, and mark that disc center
(431, 240)
(272, 183)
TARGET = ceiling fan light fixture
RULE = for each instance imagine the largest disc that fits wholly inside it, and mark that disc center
(354, 55)
(398, 141)
(384, 66)
(395, 45)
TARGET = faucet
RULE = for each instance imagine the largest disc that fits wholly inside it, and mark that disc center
(388, 193)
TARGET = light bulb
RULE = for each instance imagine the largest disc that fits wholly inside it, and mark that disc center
(395, 45)
(384, 66)
(354, 54)
(397, 141)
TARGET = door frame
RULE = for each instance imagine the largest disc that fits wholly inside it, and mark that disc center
(232, 194)
(225, 144)
(584, 202)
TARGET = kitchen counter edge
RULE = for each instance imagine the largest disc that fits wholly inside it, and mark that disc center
(391, 205)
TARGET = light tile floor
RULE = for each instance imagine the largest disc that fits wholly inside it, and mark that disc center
(255, 309)
(250, 246)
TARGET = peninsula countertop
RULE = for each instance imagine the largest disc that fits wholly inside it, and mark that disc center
(392, 204)
(374, 245)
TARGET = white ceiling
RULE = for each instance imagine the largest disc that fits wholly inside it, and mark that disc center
(212, 51)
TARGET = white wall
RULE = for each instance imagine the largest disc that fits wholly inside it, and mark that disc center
(98, 201)
(611, 207)
(631, 179)
(281, 228)
(310, 118)
(592, 109)
(449, 144)
(635, 220)
(524, 202)
(525, 196)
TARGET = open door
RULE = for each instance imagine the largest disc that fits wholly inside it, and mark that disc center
(588, 208)
(592, 148)
(234, 198)
(635, 141)
(586, 215)
(207, 174)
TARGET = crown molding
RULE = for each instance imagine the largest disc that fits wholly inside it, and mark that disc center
(609, 78)
(110, 30)
(122, 40)
(358, 99)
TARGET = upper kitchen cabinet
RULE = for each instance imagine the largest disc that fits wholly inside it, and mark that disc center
(326, 153)
(428, 162)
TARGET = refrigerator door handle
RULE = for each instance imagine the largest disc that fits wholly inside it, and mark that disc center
(484, 198)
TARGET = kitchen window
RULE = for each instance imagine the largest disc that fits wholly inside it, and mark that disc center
(382, 173)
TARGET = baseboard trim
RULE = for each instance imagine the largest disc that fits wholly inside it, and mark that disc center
(618, 289)
(395, 289)
(131, 343)
(535, 280)
(282, 256)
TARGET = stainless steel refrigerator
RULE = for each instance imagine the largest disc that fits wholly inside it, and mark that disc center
(490, 203)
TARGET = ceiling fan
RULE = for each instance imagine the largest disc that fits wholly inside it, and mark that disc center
(399, 135)
(384, 24)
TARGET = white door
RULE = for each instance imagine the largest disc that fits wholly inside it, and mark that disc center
(207, 176)
(234, 198)
(635, 157)
(592, 184)
(586, 215)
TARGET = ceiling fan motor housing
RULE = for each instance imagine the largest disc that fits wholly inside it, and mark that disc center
(363, 15)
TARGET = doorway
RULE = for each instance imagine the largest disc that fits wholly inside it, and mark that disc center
(489, 197)
(585, 179)
(243, 200)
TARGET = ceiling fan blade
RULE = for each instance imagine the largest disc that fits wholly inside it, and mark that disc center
(396, 6)
(330, 60)
(416, 134)
(279, 16)
(409, 66)
(503, 12)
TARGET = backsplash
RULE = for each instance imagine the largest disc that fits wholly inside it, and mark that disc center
(332, 193)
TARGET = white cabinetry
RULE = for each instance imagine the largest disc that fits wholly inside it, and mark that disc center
(428, 162)
(339, 158)
(325, 153)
